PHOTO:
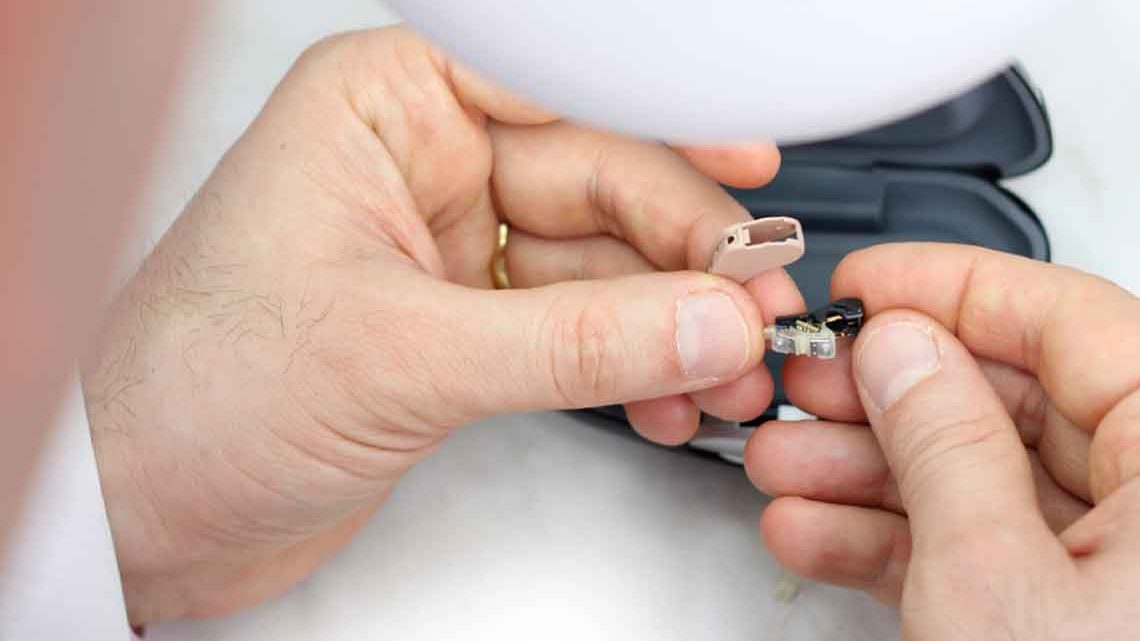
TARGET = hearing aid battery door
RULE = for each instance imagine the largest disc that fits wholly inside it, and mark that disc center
(931, 177)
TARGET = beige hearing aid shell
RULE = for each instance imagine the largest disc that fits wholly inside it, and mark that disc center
(748, 249)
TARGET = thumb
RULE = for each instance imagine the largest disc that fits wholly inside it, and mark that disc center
(590, 343)
(960, 465)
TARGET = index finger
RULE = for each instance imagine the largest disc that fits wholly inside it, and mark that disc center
(561, 180)
(745, 166)
(1078, 333)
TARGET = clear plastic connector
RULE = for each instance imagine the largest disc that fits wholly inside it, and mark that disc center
(800, 342)
(816, 333)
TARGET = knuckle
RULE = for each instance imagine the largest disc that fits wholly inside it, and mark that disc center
(617, 186)
(1115, 449)
(360, 44)
(580, 354)
(321, 51)
(934, 443)
(650, 198)
(340, 60)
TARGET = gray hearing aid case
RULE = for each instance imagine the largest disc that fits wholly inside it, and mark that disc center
(931, 177)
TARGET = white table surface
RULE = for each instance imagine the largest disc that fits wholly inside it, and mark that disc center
(543, 526)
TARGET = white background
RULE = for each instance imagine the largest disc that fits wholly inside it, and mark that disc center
(542, 526)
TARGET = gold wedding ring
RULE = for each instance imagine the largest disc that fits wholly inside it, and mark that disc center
(499, 275)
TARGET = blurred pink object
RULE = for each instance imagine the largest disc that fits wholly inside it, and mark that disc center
(84, 87)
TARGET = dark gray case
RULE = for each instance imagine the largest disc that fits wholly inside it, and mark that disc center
(931, 177)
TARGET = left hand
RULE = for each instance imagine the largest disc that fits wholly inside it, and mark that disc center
(319, 319)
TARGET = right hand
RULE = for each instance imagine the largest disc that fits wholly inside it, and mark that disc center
(996, 492)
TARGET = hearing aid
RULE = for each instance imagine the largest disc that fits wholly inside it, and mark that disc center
(748, 249)
(817, 332)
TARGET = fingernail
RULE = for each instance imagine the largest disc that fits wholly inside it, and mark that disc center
(712, 337)
(893, 359)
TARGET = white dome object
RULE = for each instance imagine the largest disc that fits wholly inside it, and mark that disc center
(730, 70)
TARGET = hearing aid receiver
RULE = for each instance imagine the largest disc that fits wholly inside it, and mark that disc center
(750, 248)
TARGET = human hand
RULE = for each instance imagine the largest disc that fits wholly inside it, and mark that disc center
(319, 318)
(997, 491)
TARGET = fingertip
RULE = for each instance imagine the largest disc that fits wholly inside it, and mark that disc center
(670, 420)
(821, 461)
(869, 272)
(907, 275)
(743, 166)
(786, 531)
(776, 456)
(741, 400)
(761, 458)
(824, 387)
(494, 100)
(776, 294)
(899, 350)
(845, 279)
(854, 547)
